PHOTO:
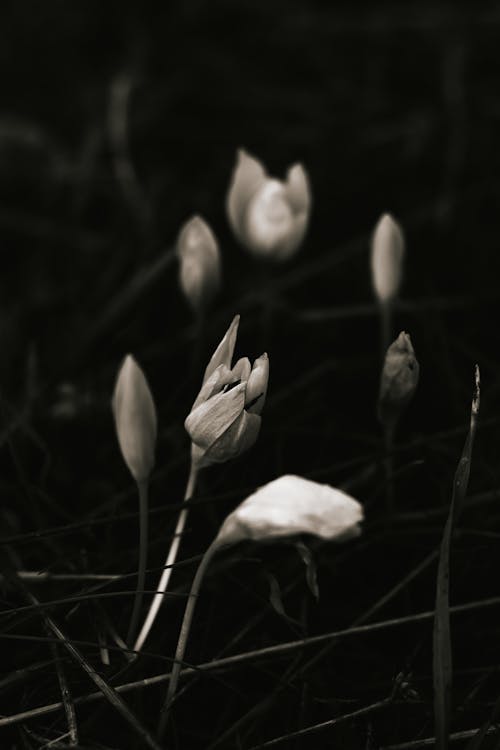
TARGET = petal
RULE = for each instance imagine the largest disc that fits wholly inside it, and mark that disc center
(238, 438)
(135, 419)
(298, 190)
(257, 385)
(223, 355)
(212, 418)
(292, 505)
(218, 379)
(268, 220)
(247, 177)
(241, 370)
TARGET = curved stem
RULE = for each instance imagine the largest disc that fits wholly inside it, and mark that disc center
(143, 554)
(171, 558)
(184, 634)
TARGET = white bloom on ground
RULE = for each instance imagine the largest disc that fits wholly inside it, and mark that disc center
(199, 263)
(387, 252)
(293, 505)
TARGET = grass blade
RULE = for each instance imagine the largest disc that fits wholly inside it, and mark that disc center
(442, 656)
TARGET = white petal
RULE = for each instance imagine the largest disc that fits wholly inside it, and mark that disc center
(292, 505)
(387, 258)
(247, 177)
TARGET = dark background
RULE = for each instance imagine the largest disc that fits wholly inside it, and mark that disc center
(390, 107)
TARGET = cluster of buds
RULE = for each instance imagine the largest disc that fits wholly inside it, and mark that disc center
(225, 418)
(199, 263)
(268, 216)
(398, 382)
(293, 505)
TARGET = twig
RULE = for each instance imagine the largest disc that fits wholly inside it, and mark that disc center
(431, 741)
(248, 656)
(67, 700)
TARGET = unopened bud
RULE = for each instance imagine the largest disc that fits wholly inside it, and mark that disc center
(398, 381)
(135, 419)
(199, 270)
(387, 258)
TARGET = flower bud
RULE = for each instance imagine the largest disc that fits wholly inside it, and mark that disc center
(135, 419)
(199, 270)
(268, 216)
(292, 505)
(387, 259)
(225, 418)
(399, 380)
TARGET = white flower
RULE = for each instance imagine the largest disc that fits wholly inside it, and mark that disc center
(387, 253)
(268, 216)
(135, 419)
(199, 258)
(293, 505)
(225, 418)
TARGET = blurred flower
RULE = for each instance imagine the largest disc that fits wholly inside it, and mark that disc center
(225, 418)
(387, 258)
(135, 419)
(268, 216)
(293, 505)
(199, 270)
(398, 381)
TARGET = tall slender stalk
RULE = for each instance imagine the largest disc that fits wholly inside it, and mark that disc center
(169, 562)
(385, 326)
(184, 634)
(385, 342)
(142, 487)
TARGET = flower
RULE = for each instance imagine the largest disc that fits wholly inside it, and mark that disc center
(293, 505)
(199, 269)
(268, 216)
(225, 418)
(135, 419)
(399, 380)
(387, 253)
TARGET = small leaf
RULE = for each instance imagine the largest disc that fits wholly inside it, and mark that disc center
(276, 599)
(311, 571)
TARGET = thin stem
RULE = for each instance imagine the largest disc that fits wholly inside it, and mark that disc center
(143, 555)
(171, 558)
(184, 634)
(385, 327)
(389, 467)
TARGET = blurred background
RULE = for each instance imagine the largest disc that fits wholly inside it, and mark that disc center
(118, 121)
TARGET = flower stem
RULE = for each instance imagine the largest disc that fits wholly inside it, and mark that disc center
(171, 558)
(143, 554)
(184, 634)
(385, 327)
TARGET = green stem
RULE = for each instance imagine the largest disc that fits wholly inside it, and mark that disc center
(184, 634)
(169, 562)
(142, 486)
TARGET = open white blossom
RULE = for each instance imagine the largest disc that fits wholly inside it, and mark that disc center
(268, 216)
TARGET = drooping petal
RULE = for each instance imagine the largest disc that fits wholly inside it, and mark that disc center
(223, 355)
(248, 176)
(257, 385)
(135, 419)
(292, 505)
(387, 254)
(199, 270)
(212, 418)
